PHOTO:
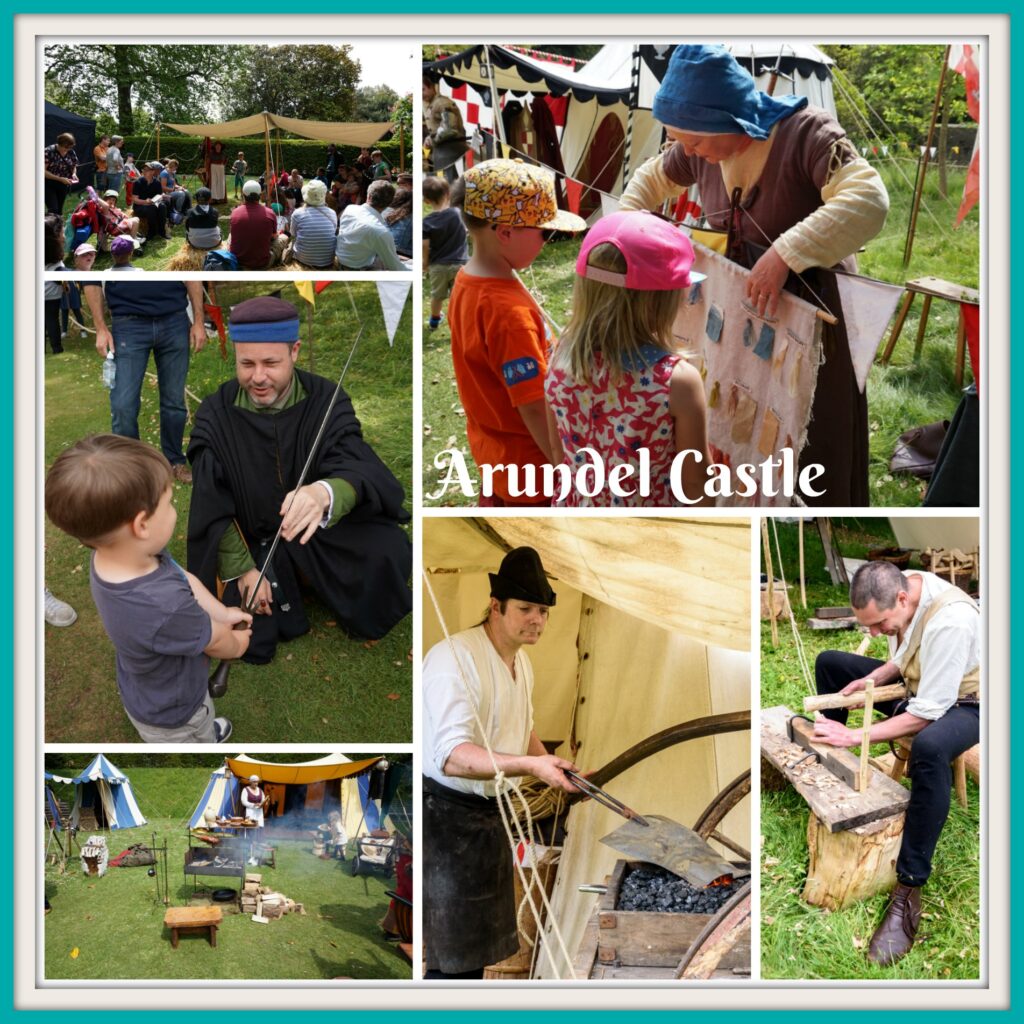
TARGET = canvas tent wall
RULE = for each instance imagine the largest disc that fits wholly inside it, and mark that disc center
(107, 792)
(651, 628)
(317, 786)
(596, 132)
(56, 120)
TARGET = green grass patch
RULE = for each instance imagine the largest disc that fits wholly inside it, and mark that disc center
(903, 395)
(116, 922)
(320, 687)
(801, 941)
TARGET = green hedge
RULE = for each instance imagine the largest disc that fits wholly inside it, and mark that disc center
(306, 154)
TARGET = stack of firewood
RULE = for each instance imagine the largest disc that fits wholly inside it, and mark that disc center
(260, 899)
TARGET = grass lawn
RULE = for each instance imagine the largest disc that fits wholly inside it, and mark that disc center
(116, 922)
(903, 395)
(801, 941)
(320, 687)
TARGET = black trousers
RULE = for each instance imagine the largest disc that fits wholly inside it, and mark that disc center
(155, 218)
(929, 769)
(51, 320)
(54, 194)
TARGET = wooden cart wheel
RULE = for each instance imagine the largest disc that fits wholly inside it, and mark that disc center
(719, 936)
(712, 815)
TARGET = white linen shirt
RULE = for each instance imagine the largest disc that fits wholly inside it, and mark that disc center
(504, 703)
(363, 237)
(950, 648)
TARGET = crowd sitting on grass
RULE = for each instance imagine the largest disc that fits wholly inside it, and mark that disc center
(343, 217)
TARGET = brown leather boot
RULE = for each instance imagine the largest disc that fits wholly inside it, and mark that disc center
(894, 937)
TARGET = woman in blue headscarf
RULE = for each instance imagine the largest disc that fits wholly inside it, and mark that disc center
(794, 195)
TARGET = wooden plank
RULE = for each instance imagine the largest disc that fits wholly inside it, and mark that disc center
(941, 289)
(823, 624)
(841, 612)
(838, 760)
(837, 806)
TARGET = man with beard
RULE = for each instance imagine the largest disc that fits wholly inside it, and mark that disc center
(341, 536)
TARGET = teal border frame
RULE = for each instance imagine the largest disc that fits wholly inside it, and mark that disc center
(77, 999)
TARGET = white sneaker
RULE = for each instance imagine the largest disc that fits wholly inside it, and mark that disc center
(222, 729)
(56, 612)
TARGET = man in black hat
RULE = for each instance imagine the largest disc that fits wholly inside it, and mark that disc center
(341, 535)
(477, 720)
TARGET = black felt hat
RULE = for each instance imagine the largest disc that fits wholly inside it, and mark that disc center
(521, 577)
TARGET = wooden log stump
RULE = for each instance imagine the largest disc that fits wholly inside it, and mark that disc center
(851, 865)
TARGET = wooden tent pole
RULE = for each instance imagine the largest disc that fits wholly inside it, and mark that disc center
(499, 124)
(923, 169)
(769, 572)
(158, 140)
(266, 145)
(278, 146)
(803, 585)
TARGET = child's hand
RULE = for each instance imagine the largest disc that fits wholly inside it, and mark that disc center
(232, 616)
(242, 638)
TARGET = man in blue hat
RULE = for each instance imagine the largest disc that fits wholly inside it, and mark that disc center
(341, 536)
(469, 910)
(796, 198)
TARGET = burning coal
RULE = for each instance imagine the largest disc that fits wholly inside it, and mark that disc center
(655, 889)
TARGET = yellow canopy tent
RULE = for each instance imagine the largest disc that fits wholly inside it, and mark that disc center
(310, 773)
(343, 133)
(651, 629)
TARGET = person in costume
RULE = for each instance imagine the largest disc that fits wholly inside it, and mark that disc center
(795, 196)
(341, 535)
(469, 915)
(254, 799)
(934, 631)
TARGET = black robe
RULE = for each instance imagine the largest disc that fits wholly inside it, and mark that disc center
(243, 465)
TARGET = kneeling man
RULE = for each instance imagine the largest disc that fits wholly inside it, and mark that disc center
(341, 536)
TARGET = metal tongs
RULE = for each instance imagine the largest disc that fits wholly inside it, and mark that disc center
(597, 794)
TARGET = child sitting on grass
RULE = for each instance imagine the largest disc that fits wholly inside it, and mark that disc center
(444, 245)
(499, 341)
(616, 383)
(114, 495)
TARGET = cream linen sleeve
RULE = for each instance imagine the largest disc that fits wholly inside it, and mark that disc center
(649, 187)
(855, 205)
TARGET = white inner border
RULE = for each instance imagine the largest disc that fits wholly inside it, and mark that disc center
(993, 992)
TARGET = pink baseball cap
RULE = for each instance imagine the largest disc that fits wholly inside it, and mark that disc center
(658, 254)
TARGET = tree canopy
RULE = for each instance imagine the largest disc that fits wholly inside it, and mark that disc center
(170, 82)
(316, 83)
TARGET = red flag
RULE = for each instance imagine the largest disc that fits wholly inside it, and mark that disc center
(970, 315)
(972, 189)
(573, 194)
(321, 285)
(216, 314)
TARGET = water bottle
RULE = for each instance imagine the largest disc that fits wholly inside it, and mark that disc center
(109, 371)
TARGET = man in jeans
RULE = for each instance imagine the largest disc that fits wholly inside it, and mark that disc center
(150, 317)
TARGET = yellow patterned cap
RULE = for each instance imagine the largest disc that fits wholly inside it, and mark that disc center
(517, 194)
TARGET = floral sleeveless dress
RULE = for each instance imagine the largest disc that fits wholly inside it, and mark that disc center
(616, 422)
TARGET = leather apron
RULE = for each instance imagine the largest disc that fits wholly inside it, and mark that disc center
(469, 913)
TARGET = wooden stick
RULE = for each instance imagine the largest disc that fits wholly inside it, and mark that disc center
(803, 585)
(865, 741)
(769, 572)
(835, 700)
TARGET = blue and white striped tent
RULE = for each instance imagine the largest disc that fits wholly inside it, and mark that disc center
(220, 798)
(105, 788)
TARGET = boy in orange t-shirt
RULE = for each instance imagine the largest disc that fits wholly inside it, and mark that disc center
(499, 344)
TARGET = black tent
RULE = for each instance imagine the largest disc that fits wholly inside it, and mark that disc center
(57, 120)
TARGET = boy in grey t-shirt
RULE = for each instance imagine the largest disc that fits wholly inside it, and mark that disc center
(114, 494)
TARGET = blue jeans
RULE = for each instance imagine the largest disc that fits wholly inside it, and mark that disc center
(99, 182)
(114, 180)
(167, 338)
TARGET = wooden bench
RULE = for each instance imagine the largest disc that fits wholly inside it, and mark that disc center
(190, 919)
(934, 288)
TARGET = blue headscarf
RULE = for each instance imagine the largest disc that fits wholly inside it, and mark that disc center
(705, 90)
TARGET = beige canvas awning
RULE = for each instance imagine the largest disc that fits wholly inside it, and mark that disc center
(343, 133)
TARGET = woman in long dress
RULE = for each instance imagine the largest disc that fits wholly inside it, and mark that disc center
(218, 180)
